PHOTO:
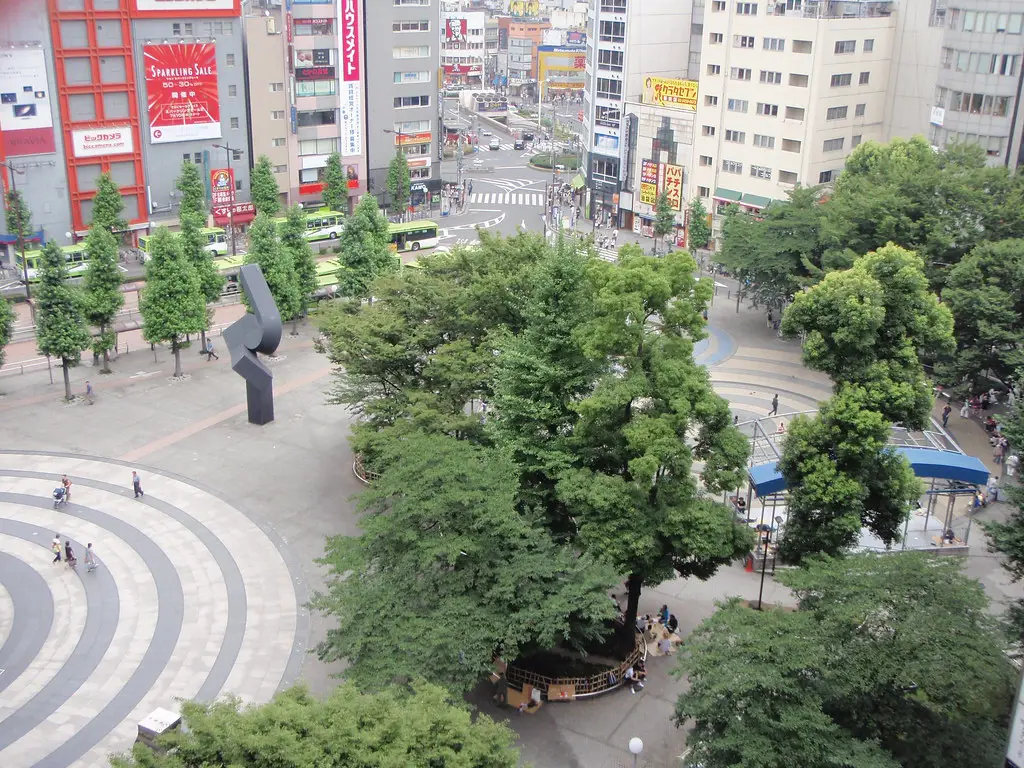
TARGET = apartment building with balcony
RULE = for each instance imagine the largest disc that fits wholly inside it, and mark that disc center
(787, 91)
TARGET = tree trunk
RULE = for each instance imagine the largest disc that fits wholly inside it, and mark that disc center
(177, 358)
(633, 586)
(295, 326)
(106, 352)
(67, 378)
(202, 341)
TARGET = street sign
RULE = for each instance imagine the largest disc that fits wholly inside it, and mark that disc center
(243, 213)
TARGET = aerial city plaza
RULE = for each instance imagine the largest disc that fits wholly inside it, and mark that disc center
(497, 383)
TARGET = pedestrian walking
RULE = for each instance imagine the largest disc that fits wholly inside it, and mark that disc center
(137, 484)
(946, 410)
(775, 405)
(964, 410)
(90, 558)
(55, 547)
(88, 391)
(69, 556)
(210, 354)
(66, 482)
(998, 452)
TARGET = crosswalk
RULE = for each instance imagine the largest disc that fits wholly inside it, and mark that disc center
(531, 199)
(607, 254)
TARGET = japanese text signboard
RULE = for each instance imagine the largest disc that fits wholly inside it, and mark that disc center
(181, 92)
(670, 93)
(351, 140)
(648, 182)
(222, 186)
(673, 186)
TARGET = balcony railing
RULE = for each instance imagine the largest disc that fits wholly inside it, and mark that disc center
(834, 9)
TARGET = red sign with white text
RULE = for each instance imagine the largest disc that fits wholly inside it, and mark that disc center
(222, 186)
(244, 213)
(181, 92)
(349, 41)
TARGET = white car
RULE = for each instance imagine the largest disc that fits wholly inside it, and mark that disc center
(486, 133)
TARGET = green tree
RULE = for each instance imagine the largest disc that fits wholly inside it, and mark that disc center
(365, 248)
(335, 184)
(841, 477)
(664, 219)
(276, 262)
(102, 297)
(6, 327)
(699, 229)
(293, 239)
(263, 189)
(193, 247)
(172, 302)
(108, 205)
(420, 726)
(890, 660)
(192, 188)
(19, 223)
(397, 182)
(458, 573)
(868, 324)
(647, 420)
(60, 326)
(985, 294)
(1006, 537)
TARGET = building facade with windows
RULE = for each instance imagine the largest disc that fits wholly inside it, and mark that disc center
(628, 42)
(463, 48)
(787, 91)
(402, 92)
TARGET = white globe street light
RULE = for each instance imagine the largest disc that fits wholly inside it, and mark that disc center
(636, 746)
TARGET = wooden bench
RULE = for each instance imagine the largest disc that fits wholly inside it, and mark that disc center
(522, 700)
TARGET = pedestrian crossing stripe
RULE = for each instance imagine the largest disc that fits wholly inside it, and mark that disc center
(532, 199)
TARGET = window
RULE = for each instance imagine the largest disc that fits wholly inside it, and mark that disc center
(746, 9)
(281, 169)
(794, 113)
(788, 177)
(606, 167)
(703, 191)
(800, 46)
(771, 78)
(736, 137)
(717, 6)
(798, 81)
(197, 158)
(764, 142)
(707, 160)
(1008, 64)
(307, 27)
(836, 113)
(856, 140)
(608, 88)
(774, 44)
(234, 123)
(858, 111)
(840, 81)
(404, 102)
(419, 173)
(846, 46)
(610, 60)
(276, 87)
(606, 116)
(404, 78)
(612, 31)
(412, 2)
(864, 78)
(410, 26)
(313, 117)
(739, 73)
(714, 69)
(316, 88)
(791, 145)
(318, 146)
(869, 45)
(707, 130)
(742, 41)
(176, 30)
(731, 166)
(825, 177)
(716, 38)
(229, 60)
(833, 145)
(737, 105)
(411, 126)
(760, 172)
(278, 142)
(277, 114)
(410, 51)
(232, 91)
(710, 101)
(770, 110)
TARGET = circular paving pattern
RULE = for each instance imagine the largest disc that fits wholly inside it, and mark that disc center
(191, 600)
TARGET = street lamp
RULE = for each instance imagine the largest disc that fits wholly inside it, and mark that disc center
(21, 227)
(229, 153)
(636, 746)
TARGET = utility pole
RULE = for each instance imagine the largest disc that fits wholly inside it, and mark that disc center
(229, 153)
(21, 228)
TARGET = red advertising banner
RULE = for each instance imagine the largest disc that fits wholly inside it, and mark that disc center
(222, 186)
(350, 41)
(244, 213)
(673, 186)
(456, 30)
(176, 9)
(181, 92)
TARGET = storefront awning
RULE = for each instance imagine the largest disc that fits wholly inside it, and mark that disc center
(727, 195)
(32, 237)
(756, 201)
(578, 182)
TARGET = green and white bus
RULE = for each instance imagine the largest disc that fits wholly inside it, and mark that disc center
(75, 256)
(413, 235)
(216, 240)
(324, 224)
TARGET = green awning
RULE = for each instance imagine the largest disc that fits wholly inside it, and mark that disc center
(729, 195)
(578, 182)
(756, 201)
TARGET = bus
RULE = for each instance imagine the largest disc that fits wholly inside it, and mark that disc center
(75, 256)
(324, 224)
(413, 235)
(216, 240)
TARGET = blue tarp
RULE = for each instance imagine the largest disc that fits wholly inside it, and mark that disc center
(7, 239)
(926, 462)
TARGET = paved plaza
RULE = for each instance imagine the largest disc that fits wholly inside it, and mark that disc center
(202, 583)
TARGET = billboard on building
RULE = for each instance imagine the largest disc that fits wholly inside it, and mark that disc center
(456, 30)
(349, 30)
(672, 186)
(649, 182)
(524, 7)
(181, 92)
(96, 142)
(670, 93)
(575, 38)
(26, 121)
(185, 8)
(222, 186)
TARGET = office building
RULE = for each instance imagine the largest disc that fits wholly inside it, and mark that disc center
(463, 49)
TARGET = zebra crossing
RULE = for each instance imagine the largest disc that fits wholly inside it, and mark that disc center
(531, 199)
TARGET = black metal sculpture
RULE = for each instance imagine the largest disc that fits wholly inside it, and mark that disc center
(258, 331)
